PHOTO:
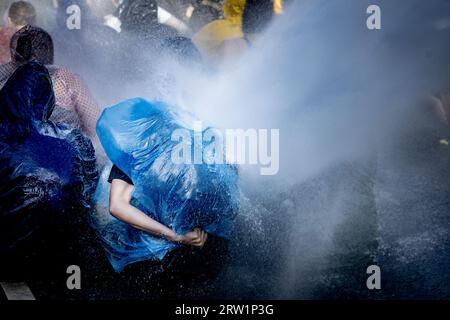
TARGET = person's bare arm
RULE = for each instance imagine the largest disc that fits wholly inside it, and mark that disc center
(120, 208)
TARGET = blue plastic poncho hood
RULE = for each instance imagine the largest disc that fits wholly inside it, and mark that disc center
(136, 135)
(27, 97)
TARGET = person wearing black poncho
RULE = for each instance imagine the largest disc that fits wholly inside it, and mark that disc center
(47, 170)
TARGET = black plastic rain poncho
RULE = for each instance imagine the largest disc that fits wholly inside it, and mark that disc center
(47, 170)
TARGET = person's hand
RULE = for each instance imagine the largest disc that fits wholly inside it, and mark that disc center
(195, 238)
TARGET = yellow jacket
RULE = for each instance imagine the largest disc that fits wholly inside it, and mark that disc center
(211, 36)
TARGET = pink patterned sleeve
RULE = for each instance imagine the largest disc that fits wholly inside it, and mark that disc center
(72, 93)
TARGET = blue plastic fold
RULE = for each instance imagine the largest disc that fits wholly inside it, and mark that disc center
(137, 137)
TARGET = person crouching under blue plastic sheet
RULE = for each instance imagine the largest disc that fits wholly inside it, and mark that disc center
(157, 205)
(47, 171)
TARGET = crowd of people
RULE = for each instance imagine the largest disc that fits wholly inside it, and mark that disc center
(50, 103)
(113, 34)
(52, 160)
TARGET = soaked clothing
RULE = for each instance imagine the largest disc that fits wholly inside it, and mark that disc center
(75, 105)
(6, 34)
(116, 173)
